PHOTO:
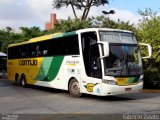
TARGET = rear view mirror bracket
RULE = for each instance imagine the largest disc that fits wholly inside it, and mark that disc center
(105, 49)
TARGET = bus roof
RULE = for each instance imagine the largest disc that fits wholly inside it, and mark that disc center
(102, 29)
(58, 35)
(45, 37)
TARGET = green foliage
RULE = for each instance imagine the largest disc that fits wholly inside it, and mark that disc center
(83, 5)
(71, 25)
(32, 32)
(102, 21)
(7, 36)
(93, 22)
(149, 32)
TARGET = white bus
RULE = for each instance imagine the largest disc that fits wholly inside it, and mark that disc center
(97, 61)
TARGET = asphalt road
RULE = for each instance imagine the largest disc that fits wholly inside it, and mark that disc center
(46, 104)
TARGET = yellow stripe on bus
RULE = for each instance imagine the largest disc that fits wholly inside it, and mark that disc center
(37, 39)
(27, 66)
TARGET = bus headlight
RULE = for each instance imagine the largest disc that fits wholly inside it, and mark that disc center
(111, 82)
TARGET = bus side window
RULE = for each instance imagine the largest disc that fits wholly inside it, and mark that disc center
(42, 48)
(37, 50)
(45, 52)
(23, 51)
(31, 50)
(71, 45)
(33, 53)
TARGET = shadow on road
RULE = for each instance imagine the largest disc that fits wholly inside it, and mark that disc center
(124, 97)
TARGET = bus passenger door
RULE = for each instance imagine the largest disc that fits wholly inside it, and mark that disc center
(92, 77)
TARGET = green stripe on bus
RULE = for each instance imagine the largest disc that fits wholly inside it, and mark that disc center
(53, 69)
(44, 68)
(133, 79)
(69, 33)
(65, 34)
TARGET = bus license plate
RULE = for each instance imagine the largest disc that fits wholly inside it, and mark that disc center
(128, 89)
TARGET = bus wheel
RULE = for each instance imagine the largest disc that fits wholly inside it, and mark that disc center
(74, 88)
(23, 81)
(17, 80)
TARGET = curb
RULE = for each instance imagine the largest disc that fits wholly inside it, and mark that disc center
(150, 91)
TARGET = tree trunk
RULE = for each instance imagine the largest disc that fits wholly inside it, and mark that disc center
(84, 13)
(74, 10)
(87, 9)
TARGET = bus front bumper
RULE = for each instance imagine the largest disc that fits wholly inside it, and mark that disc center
(116, 90)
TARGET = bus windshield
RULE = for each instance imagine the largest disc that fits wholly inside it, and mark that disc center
(124, 55)
(117, 37)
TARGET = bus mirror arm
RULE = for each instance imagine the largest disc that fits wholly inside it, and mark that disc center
(105, 49)
(149, 50)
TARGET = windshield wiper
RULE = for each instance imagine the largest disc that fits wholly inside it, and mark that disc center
(114, 69)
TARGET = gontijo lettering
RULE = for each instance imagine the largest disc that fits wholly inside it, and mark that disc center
(33, 62)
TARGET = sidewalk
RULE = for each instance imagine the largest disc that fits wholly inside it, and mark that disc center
(150, 91)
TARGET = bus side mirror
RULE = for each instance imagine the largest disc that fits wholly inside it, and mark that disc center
(149, 50)
(105, 49)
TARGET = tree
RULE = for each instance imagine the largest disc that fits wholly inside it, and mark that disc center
(9, 29)
(2, 38)
(103, 22)
(32, 32)
(71, 25)
(149, 32)
(7, 36)
(10, 39)
(83, 5)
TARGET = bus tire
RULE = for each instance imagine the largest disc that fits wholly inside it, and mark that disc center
(74, 88)
(17, 80)
(23, 81)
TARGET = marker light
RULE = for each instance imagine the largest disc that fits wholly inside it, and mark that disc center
(111, 82)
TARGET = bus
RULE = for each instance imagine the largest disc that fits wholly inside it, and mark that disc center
(96, 61)
(3, 64)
